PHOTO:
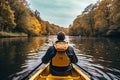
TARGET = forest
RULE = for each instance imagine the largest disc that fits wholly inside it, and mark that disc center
(101, 19)
(17, 19)
(98, 20)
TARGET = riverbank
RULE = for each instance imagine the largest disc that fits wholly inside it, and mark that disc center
(10, 34)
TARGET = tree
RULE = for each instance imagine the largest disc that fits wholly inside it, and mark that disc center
(114, 29)
(7, 22)
(102, 21)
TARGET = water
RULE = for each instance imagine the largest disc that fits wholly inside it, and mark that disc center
(99, 56)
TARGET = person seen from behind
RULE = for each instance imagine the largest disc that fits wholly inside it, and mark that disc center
(60, 56)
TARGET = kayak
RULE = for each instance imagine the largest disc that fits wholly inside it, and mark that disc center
(44, 74)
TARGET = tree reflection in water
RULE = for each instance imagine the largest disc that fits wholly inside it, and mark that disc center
(101, 55)
(14, 52)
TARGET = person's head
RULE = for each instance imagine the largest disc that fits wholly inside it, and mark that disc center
(61, 36)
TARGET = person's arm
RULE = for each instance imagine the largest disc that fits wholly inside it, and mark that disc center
(47, 57)
(72, 55)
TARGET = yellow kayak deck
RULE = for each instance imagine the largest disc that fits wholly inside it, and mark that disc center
(44, 74)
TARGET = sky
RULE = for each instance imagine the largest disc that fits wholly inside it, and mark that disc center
(59, 12)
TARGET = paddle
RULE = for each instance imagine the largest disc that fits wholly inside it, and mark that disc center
(92, 76)
(26, 76)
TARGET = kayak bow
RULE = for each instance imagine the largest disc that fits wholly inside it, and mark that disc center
(44, 74)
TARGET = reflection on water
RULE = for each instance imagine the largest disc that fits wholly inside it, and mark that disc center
(14, 54)
(100, 57)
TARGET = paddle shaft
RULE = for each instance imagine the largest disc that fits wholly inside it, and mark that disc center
(26, 76)
(86, 71)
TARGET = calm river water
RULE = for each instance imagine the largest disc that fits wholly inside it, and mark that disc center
(99, 56)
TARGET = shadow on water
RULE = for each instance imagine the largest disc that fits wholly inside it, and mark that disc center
(99, 56)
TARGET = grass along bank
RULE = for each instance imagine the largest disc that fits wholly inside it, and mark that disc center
(10, 34)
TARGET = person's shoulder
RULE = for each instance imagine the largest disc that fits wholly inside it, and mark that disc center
(51, 47)
(70, 47)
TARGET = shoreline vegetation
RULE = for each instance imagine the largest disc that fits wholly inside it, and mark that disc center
(18, 19)
(11, 34)
(101, 19)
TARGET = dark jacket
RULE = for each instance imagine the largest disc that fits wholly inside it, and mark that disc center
(51, 53)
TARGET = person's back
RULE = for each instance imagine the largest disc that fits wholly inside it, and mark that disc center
(60, 55)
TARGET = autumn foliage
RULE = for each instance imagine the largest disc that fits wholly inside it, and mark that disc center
(16, 16)
(100, 19)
